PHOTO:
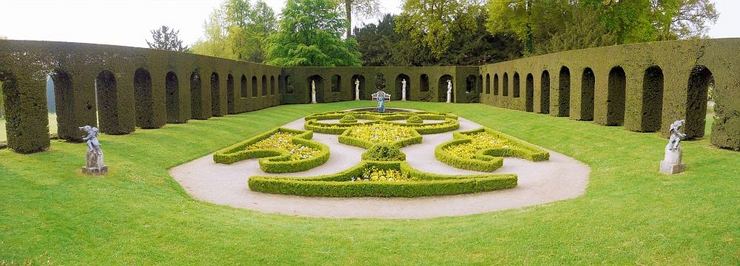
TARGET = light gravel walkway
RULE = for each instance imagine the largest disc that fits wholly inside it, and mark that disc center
(559, 178)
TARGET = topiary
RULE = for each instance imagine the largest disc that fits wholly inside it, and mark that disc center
(414, 119)
(384, 152)
(348, 119)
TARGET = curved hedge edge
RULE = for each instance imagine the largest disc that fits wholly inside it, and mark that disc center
(282, 164)
(344, 138)
(478, 163)
(519, 149)
(275, 161)
(339, 185)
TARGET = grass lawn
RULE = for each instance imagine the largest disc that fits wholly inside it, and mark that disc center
(630, 213)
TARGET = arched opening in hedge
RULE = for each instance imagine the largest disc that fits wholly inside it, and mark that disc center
(652, 99)
(215, 95)
(517, 82)
(564, 92)
(289, 89)
(172, 101)
(336, 83)
(588, 85)
(196, 97)
(700, 80)
(495, 84)
(505, 84)
(254, 86)
(230, 108)
(470, 84)
(399, 86)
(143, 97)
(355, 85)
(319, 81)
(545, 92)
(107, 103)
(442, 89)
(61, 103)
(529, 101)
(616, 97)
(264, 85)
(488, 83)
(424, 82)
(272, 85)
(243, 87)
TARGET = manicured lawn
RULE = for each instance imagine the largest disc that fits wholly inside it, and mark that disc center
(630, 214)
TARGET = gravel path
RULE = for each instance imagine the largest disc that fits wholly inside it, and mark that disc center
(559, 178)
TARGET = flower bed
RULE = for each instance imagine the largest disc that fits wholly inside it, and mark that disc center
(448, 122)
(483, 149)
(406, 182)
(365, 136)
(281, 151)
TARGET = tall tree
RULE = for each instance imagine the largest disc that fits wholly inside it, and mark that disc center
(364, 8)
(166, 38)
(238, 30)
(310, 35)
(433, 22)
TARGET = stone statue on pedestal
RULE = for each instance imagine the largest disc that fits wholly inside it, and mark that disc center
(381, 97)
(357, 89)
(403, 89)
(671, 163)
(95, 164)
(449, 91)
(313, 91)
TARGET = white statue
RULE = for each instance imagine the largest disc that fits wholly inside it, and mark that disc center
(449, 90)
(671, 163)
(313, 91)
(357, 89)
(95, 164)
(403, 89)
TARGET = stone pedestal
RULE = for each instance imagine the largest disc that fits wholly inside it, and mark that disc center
(95, 170)
(671, 163)
(95, 164)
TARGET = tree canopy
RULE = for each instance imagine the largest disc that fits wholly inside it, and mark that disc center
(166, 38)
(310, 35)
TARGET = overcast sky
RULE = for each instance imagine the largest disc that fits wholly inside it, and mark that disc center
(128, 22)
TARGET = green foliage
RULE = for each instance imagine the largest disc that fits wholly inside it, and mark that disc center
(368, 135)
(282, 151)
(384, 152)
(434, 23)
(165, 38)
(2, 101)
(310, 35)
(350, 183)
(362, 8)
(348, 119)
(482, 149)
(549, 26)
(415, 119)
(450, 122)
(238, 30)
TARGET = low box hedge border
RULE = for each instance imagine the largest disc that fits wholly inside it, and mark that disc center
(345, 138)
(340, 184)
(274, 160)
(313, 121)
(488, 160)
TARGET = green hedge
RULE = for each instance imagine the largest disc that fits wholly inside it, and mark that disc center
(383, 152)
(450, 121)
(275, 161)
(345, 138)
(488, 160)
(422, 184)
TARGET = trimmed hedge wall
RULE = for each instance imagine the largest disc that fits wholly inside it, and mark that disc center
(488, 160)
(422, 184)
(274, 160)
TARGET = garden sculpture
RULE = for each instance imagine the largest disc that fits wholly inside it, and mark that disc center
(313, 91)
(403, 89)
(357, 89)
(95, 164)
(449, 91)
(671, 163)
(381, 97)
